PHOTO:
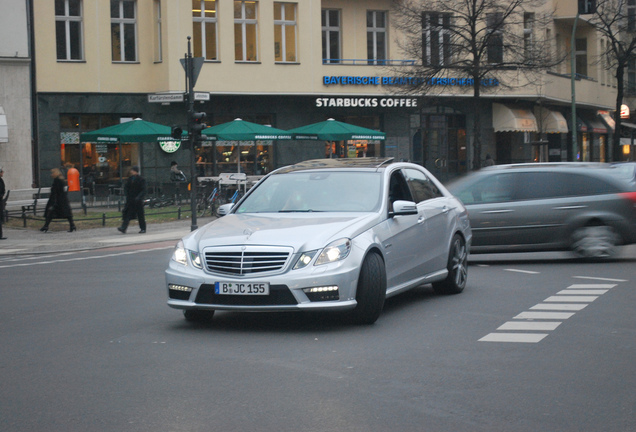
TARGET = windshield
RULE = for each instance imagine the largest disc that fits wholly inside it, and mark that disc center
(324, 191)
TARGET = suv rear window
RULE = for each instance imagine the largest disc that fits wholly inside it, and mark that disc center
(541, 185)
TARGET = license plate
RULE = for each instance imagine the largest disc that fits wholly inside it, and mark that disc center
(241, 288)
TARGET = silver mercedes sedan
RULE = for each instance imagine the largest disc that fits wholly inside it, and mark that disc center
(327, 234)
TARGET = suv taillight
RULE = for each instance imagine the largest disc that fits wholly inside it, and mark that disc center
(629, 196)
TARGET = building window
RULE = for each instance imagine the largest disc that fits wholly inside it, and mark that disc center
(436, 49)
(528, 36)
(157, 36)
(631, 15)
(494, 22)
(245, 31)
(204, 31)
(631, 76)
(123, 30)
(580, 55)
(331, 36)
(376, 37)
(285, 32)
(68, 29)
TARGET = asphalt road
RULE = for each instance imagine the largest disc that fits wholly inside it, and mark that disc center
(88, 344)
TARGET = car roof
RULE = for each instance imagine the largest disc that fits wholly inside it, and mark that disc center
(550, 166)
(318, 164)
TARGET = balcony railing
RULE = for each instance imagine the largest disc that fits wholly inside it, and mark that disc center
(367, 62)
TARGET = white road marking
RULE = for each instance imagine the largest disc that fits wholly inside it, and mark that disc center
(592, 286)
(559, 306)
(521, 271)
(544, 315)
(599, 278)
(514, 337)
(575, 299)
(55, 261)
(530, 325)
(581, 292)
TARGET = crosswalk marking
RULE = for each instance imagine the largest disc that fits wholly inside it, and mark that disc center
(530, 325)
(570, 291)
(592, 286)
(561, 306)
(574, 299)
(544, 315)
(514, 337)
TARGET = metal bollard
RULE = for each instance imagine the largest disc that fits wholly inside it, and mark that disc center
(104, 219)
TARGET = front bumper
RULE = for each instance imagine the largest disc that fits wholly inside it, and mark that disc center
(190, 288)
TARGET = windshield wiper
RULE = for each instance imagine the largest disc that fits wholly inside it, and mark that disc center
(300, 211)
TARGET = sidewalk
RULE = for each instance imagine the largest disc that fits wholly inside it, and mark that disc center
(29, 241)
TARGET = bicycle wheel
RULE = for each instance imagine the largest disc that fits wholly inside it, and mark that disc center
(202, 206)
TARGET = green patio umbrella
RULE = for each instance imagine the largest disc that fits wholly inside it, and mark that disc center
(136, 130)
(332, 130)
(241, 130)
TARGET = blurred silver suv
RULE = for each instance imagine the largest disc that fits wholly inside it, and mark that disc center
(586, 208)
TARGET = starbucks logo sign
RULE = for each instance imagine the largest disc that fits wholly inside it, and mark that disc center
(170, 146)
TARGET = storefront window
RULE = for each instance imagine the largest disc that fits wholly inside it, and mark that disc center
(99, 162)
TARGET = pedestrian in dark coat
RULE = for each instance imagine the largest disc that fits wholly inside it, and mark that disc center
(135, 191)
(58, 207)
(2, 198)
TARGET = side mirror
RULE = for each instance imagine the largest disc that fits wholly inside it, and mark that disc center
(403, 208)
(225, 209)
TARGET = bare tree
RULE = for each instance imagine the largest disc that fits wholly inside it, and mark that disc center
(479, 41)
(616, 21)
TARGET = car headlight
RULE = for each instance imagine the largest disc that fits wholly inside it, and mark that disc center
(304, 259)
(335, 251)
(180, 255)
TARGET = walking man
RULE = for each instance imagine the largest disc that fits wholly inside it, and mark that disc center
(135, 191)
(2, 192)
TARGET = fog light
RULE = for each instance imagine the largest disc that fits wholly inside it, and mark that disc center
(323, 293)
(179, 292)
(180, 288)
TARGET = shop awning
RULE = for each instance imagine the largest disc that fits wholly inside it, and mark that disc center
(4, 129)
(507, 119)
(607, 119)
(628, 125)
(551, 121)
(593, 124)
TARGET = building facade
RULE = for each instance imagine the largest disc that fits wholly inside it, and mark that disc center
(15, 95)
(288, 64)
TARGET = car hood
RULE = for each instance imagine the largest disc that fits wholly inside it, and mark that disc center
(302, 231)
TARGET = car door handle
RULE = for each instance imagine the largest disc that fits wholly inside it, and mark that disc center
(574, 207)
(445, 209)
(497, 211)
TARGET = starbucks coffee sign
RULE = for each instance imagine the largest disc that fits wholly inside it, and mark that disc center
(170, 146)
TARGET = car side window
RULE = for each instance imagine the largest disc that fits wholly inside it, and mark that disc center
(541, 185)
(544, 185)
(491, 189)
(398, 188)
(421, 186)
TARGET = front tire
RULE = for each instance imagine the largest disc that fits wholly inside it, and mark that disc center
(595, 242)
(371, 290)
(457, 267)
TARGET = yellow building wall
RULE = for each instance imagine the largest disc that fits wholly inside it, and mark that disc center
(98, 74)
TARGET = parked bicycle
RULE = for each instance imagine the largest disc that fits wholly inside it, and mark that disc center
(209, 203)
(158, 202)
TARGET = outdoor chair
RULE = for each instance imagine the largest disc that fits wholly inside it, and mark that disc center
(101, 193)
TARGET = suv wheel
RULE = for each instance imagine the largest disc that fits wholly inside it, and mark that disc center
(595, 242)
